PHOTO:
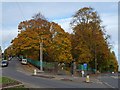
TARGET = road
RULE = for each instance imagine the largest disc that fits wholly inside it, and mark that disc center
(13, 71)
(110, 79)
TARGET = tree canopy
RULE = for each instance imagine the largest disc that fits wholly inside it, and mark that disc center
(87, 44)
(89, 40)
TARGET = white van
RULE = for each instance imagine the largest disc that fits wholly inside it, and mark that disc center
(24, 61)
(119, 69)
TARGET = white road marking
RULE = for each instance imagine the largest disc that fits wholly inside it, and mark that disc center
(115, 77)
(108, 85)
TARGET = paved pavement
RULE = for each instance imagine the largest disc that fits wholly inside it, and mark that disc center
(16, 71)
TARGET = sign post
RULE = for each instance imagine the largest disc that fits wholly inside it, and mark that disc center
(85, 68)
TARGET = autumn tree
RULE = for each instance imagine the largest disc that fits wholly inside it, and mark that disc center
(87, 44)
(60, 49)
(89, 40)
(113, 63)
(8, 52)
(32, 33)
(56, 45)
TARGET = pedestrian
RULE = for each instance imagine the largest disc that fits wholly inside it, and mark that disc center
(72, 69)
(82, 73)
(72, 72)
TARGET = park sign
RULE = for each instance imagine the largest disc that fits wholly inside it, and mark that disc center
(85, 66)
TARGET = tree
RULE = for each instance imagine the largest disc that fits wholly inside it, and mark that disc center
(32, 33)
(60, 49)
(89, 40)
(39, 16)
(56, 45)
(113, 63)
(84, 16)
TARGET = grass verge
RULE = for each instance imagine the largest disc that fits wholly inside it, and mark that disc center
(7, 82)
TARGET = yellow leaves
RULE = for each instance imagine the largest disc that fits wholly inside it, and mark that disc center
(61, 48)
(55, 41)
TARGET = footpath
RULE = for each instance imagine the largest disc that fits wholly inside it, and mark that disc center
(67, 77)
(29, 69)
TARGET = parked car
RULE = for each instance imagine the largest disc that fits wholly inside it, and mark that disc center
(10, 58)
(119, 70)
(4, 63)
(18, 58)
(24, 61)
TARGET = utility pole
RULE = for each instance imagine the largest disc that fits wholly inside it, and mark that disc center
(41, 52)
(41, 56)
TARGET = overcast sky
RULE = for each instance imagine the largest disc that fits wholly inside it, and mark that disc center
(15, 12)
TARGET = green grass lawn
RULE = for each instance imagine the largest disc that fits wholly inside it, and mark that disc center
(5, 80)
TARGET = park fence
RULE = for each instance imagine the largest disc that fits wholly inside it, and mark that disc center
(47, 66)
(57, 68)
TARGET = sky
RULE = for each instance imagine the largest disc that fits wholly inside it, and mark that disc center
(60, 0)
(60, 12)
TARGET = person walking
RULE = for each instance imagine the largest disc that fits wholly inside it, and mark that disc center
(82, 73)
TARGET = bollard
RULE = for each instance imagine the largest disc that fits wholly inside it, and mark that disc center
(87, 79)
(35, 72)
(112, 72)
(62, 68)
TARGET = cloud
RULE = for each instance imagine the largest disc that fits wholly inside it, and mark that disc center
(0, 23)
(60, 1)
(115, 49)
(111, 23)
(13, 13)
(65, 24)
(109, 20)
(0, 12)
(19, 11)
(7, 36)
